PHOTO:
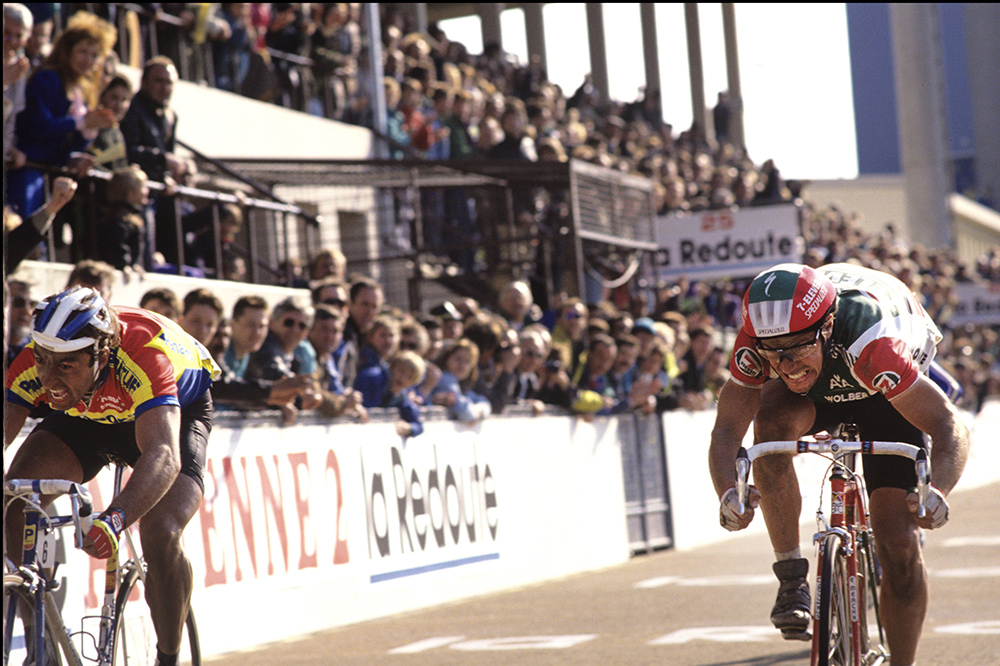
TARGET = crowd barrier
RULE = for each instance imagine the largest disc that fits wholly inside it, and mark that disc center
(321, 524)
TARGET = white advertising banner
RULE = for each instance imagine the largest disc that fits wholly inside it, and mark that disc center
(315, 526)
(727, 243)
(977, 303)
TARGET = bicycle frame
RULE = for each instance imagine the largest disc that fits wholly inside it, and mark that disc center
(848, 518)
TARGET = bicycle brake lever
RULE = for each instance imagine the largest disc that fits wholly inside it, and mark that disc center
(742, 474)
(923, 469)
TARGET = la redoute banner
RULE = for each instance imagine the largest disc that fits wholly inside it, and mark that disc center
(727, 243)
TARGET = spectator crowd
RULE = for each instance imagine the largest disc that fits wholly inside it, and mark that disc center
(341, 351)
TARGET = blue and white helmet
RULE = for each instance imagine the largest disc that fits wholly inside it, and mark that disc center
(60, 321)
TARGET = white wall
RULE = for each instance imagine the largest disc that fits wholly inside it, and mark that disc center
(226, 125)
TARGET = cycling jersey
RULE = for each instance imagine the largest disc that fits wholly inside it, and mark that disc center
(157, 363)
(882, 339)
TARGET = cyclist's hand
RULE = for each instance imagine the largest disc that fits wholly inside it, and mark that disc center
(936, 508)
(729, 509)
(102, 539)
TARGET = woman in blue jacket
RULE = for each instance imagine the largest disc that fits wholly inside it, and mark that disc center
(59, 117)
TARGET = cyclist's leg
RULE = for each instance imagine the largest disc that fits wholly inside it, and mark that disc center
(782, 415)
(169, 579)
(904, 594)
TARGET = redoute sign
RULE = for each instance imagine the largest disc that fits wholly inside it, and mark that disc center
(727, 243)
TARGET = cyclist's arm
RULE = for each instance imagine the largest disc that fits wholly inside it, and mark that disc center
(736, 409)
(14, 416)
(926, 407)
(157, 434)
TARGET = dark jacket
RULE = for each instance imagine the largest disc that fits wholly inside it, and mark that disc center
(150, 133)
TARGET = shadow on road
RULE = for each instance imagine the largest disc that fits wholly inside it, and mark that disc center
(769, 660)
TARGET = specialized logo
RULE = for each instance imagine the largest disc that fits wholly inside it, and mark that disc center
(886, 381)
(768, 280)
(749, 362)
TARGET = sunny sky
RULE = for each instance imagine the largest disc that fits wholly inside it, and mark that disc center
(794, 69)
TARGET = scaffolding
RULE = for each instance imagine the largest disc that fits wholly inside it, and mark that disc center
(427, 230)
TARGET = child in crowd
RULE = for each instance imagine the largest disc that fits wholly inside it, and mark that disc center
(390, 387)
(108, 148)
(458, 364)
(124, 228)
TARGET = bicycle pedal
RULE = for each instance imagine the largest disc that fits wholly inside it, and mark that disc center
(796, 634)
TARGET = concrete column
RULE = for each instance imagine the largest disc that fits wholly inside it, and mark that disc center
(489, 15)
(982, 25)
(916, 50)
(371, 79)
(418, 11)
(736, 136)
(534, 29)
(695, 67)
(650, 46)
(598, 49)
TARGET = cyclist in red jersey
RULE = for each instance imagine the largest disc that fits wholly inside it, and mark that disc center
(118, 384)
(821, 347)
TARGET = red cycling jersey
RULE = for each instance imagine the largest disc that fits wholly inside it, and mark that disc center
(157, 363)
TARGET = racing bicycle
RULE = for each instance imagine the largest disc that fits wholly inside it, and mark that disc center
(124, 635)
(847, 630)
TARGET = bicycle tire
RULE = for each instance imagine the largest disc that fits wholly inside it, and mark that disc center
(15, 591)
(872, 646)
(833, 634)
(134, 639)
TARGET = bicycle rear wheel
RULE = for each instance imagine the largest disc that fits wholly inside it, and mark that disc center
(833, 634)
(17, 644)
(872, 634)
(134, 636)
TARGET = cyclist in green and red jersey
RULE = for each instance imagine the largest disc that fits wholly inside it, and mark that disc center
(119, 384)
(821, 347)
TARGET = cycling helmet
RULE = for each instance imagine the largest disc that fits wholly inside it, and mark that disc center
(73, 320)
(787, 299)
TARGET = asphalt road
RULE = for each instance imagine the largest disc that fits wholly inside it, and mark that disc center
(705, 607)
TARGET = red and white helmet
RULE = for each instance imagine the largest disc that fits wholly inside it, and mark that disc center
(787, 299)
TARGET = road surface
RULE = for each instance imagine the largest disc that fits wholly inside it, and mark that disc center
(704, 607)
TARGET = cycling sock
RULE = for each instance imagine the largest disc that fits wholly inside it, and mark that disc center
(790, 555)
(165, 659)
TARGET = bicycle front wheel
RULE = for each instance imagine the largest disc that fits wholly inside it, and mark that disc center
(134, 636)
(833, 634)
(19, 645)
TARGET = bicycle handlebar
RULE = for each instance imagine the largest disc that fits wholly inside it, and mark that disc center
(837, 447)
(80, 499)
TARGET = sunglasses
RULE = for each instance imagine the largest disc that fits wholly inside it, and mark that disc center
(406, 345)
(531, 353)
(336, 302)
(289, 323)
(572, 314)
(22, 302)
(793, 353)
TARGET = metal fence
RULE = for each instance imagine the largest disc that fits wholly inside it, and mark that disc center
(466, 227)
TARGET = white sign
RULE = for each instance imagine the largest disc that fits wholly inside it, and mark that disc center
(976, 304)
(727, 243)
